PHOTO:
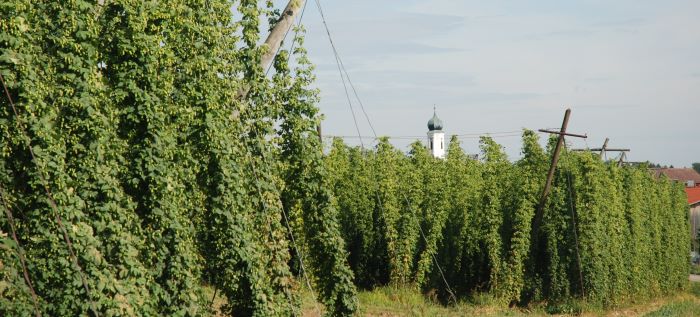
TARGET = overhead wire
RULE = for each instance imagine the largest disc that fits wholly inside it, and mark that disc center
(341, 65)
(345, 71)
(362, 106)
(340, 70)
(286, 219)
(264, 161)
(417, 136)
(460, 136)
(359, 135)
(575, 230)
(425, 239)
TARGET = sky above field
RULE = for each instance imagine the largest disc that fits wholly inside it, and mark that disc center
(628, 69)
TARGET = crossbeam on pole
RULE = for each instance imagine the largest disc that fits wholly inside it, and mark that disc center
(564, 133)
(534, 233)
(536, 222)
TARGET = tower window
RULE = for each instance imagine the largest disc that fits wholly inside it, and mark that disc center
(441, 144)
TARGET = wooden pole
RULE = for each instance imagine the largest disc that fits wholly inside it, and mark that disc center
(276, 36)
(563, 133)
(274, 41)
(602, 149)
(550, 175)
(536, 222)
(623, 157)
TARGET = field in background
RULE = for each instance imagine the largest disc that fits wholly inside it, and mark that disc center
(392, 302)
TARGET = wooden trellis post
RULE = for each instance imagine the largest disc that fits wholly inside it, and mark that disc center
(550, 174)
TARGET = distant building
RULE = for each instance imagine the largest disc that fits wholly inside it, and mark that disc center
(689, 176)
(694, 203)
(436, 137)
(691, 179)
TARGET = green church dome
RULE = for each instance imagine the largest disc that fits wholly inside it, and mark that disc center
(435, 124)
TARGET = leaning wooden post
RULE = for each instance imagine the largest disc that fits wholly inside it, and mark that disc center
(539, 212)
(548, 183)
(623, 156)
(274, 39)
(605, 146)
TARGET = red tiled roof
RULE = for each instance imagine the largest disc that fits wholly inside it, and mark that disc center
(693, 195)
(679, 174)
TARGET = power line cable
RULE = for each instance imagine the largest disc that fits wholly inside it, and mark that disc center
(362, 106)
(357, 96)
(286, 219)
(420, 228)
(575, 230)
(460, 136)
(340, 69)
(341, 65)
(345, 74)
(264, 161)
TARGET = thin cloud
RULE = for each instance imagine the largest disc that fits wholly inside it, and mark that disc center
(624, 67)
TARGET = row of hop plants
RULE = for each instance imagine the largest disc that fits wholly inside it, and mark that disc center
(131, 140)
(148, 136)
(462, 226)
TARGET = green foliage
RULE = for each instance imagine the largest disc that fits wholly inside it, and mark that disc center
(306, 194)
(459, 254)
(165, 176)
(525, 190)
(686, 308)
(388, 166)
(151, 158)
(608, 233)
(351, 179)
(15, 296)
(426, 225)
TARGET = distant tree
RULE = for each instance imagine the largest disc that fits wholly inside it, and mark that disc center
(696, 166)
(654, 165)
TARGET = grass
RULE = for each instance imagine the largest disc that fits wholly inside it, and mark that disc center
(686, 305)
(682, 307)
(395, 302)
(389, 301)
(685, 308)
(400, 302)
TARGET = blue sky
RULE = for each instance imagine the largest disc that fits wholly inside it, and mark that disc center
(629, 70)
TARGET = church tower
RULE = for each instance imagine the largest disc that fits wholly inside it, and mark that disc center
(436, 138)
